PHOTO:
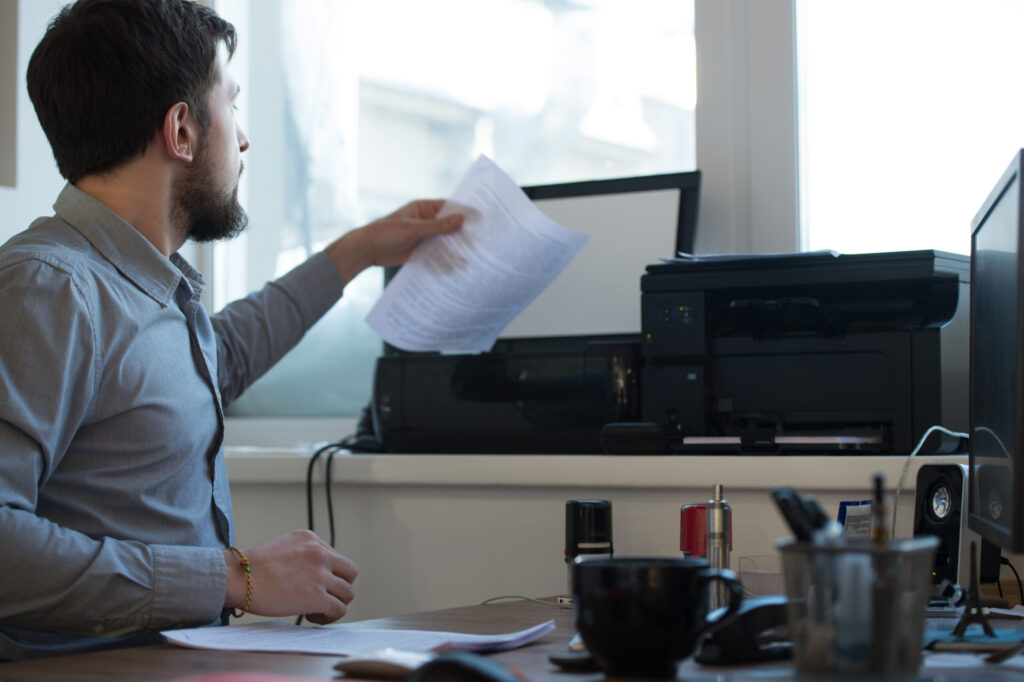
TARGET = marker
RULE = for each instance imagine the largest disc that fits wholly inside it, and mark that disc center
(879, 513)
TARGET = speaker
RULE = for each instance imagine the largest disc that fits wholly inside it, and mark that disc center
(941, 510)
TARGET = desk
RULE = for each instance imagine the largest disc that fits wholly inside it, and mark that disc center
(164, 662)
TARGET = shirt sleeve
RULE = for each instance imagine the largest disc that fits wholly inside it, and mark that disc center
(257, 331)
(55, 578)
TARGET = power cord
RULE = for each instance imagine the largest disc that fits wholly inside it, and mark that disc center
(333, 448)
(906, 465)
(1020, 589)
(363, 441)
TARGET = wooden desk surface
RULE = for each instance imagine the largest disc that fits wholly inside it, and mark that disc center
(165, 662)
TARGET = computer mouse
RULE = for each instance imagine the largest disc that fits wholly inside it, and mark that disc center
(463, 666)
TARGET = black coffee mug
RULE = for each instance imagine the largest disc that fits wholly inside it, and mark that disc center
(641, 616)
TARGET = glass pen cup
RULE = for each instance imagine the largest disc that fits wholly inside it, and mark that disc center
(858, 607)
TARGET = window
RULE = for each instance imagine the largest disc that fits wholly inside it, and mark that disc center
(910, 111)
(356, 106)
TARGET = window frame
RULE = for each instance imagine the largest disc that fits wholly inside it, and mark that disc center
(747, 152)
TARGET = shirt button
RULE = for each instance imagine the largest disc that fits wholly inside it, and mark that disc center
(98, 628)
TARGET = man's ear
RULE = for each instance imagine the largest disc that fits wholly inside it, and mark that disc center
(180, 133)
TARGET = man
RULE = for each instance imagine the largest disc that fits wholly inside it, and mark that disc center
(115, 516)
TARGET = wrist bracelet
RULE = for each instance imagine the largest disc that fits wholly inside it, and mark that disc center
(244, 560)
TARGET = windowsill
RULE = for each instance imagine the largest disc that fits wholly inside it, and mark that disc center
(249, 465)
(286, 433)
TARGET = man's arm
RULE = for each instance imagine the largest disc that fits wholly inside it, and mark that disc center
(255, 332)
(59, 580)
(390, 240)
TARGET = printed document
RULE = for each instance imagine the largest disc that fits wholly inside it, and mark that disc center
(278, 637)
(459, 291)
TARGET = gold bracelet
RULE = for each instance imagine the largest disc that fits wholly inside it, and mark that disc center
(244, 560)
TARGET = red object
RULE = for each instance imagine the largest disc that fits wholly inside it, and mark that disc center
(693, 529)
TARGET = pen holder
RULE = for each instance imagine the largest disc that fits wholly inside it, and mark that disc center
(857, 608)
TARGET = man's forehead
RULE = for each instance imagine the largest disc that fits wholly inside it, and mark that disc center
(222, 71)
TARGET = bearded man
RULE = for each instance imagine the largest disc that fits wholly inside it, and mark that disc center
(115, 513)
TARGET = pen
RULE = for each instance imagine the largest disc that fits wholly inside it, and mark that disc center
(879, 532)
(794, 512)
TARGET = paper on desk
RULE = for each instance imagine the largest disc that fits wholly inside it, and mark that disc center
(278, 637)
(458, 291)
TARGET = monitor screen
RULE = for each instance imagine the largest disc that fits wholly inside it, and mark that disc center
(631, 222)
(997, 352)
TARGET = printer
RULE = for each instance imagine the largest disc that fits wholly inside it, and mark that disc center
(810, 351)
(526, 395)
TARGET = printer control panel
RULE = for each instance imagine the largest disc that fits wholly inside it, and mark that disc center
(673, 324)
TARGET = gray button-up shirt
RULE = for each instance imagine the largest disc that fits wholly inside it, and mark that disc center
(114, 502)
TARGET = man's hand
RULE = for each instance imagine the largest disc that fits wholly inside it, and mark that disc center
(390, 240)
(297, 573)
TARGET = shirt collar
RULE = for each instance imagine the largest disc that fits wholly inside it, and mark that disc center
(124, 247)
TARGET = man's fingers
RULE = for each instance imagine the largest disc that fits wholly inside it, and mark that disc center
(321, 618)
(340, 590)
(449, 223)
(344, 568)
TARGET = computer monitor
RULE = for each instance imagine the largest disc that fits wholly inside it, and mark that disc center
(996, 479)
(631, 223)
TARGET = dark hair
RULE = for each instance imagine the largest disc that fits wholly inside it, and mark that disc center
(106, 72)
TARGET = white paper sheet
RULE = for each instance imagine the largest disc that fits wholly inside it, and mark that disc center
(278, 637)
(459, 291)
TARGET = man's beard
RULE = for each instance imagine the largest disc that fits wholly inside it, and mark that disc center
(207, 214)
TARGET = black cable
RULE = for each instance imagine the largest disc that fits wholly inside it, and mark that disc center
(363, 440)
(1020, 588)
(330, 496)
(309, 479)
(309, 492)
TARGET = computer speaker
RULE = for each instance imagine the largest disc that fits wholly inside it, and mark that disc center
(941, 510)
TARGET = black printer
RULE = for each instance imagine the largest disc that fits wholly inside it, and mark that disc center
(810, 351)
(526, 395)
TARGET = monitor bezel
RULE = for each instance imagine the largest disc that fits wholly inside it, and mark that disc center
(687, 182)
(1011, 540)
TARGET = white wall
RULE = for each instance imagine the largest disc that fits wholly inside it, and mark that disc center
(434, 531)
(38, 181)
(8, 86)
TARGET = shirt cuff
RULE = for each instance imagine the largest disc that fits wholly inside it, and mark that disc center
(189, 584)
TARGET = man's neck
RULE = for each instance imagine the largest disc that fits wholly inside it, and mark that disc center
(141, 193)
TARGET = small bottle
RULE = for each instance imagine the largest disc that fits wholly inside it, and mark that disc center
(719, 540)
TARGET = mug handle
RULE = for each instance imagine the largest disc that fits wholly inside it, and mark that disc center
(735, 590)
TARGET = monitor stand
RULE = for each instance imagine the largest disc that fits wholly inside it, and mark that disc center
(974, 612)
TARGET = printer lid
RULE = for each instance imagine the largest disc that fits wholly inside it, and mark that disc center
(813, 267)
(902, 289)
